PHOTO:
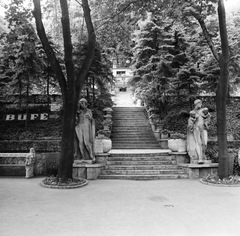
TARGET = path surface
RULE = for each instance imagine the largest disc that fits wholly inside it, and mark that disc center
(119, 208)
(124, 99)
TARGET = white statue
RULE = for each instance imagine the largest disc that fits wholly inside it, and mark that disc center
(85, 132)
(197, 136)
(29, 163)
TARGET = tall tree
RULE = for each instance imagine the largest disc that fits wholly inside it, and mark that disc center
(223, 83)
(222, 92)
(72, 82)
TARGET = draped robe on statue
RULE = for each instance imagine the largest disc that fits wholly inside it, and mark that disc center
(197, 135)
(191, 144)
(85, 132)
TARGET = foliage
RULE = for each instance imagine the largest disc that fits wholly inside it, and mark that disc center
(99, 76)
(24, 66)
(230, 180)
(114, 24)
(102, 101)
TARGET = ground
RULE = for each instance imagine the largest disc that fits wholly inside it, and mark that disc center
(119, 208)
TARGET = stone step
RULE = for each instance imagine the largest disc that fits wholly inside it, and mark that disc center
(127, 126)
(128, 113)
(130, 123)
(128, 109)
(136, 114)
(141, 158)
(141, 154)
(132, 116)
(139, 146)
(123, 136)
(131, 127)
(152, 141)
(132, 130)
(142, 167)
(127, 140)
(144, 177)
(132, 134)
(130, 119)
(136, 143)
(140, 172)
(136, 163)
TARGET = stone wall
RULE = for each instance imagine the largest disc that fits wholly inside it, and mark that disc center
(47, 155)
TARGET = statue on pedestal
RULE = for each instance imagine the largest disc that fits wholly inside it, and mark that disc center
(197, 134)
(29, 163)
(85, 134)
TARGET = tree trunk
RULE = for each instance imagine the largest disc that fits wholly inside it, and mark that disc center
(48, 95)
(67, 142)
(93, 91)
(222, 93)
(87, 89)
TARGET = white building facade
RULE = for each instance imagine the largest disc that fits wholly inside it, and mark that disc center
(122, 76)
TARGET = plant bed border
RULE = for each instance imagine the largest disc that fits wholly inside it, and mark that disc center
(82, 182)
(217, 184)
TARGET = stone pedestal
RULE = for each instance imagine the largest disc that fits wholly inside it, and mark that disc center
(98, 145)
(157, 135)
(93, 170)
(87, 171)
(79, 171)
(177, 145)
(196, 171)
(163, 143)
(101, 158)
(181, 157)
(204, 162)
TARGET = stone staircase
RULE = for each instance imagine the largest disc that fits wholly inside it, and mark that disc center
(142, 166)
(145, 160)
(131, 129)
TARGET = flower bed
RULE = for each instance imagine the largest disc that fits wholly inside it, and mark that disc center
(54, 182)
(214, 180)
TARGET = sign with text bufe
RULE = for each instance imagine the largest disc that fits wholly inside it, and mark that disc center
(34, 116)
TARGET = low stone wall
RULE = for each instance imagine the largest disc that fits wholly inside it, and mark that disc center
(196, 171)
(87, 171)
(45, 164)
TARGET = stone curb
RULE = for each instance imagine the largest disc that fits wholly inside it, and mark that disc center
(218, 185)
(63, 186)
